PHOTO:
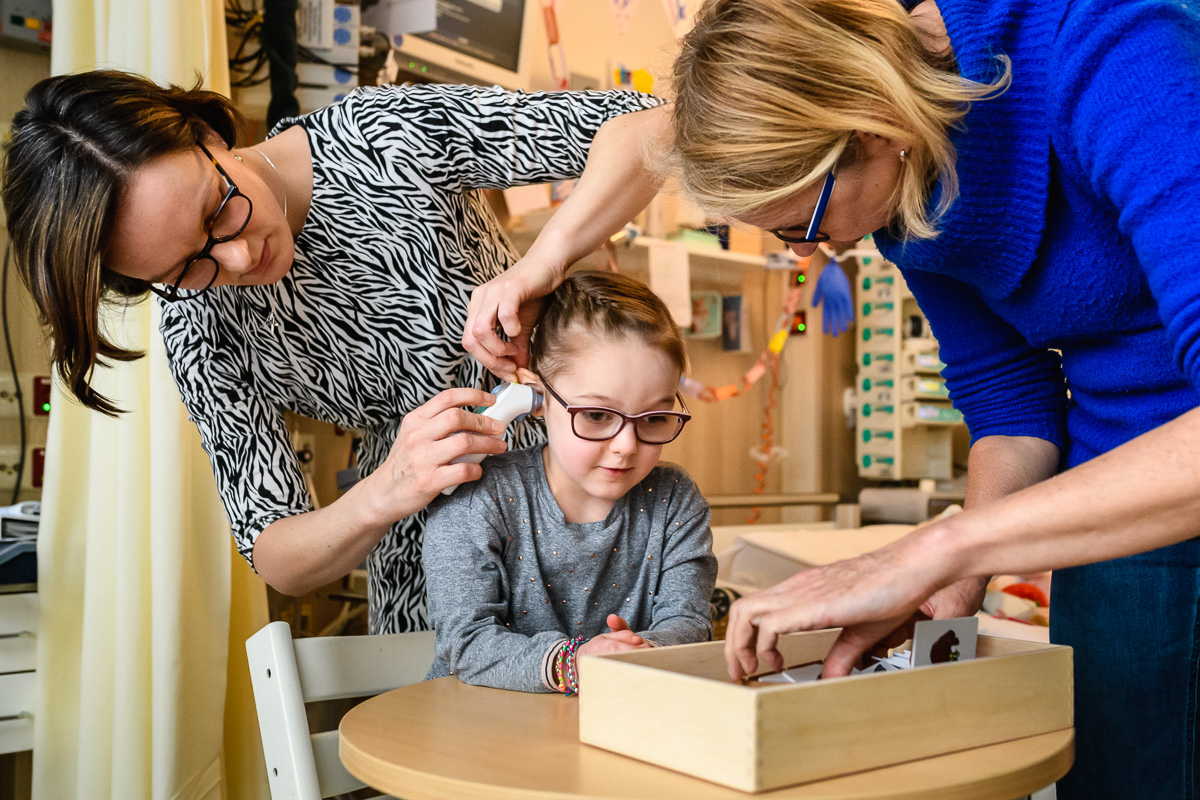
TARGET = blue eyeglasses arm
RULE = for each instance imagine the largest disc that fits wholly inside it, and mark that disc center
(822, 201)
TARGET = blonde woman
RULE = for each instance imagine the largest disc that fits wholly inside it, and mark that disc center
(1032, 167)
(1019, 165)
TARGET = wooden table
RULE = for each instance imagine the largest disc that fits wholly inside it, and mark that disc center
(444, 740)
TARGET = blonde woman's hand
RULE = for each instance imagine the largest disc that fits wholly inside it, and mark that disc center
(431, 436)
(869, 597)
(510, 302)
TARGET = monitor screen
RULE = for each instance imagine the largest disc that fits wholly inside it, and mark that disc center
(489, 30)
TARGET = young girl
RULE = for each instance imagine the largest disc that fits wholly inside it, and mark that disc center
(527, 566)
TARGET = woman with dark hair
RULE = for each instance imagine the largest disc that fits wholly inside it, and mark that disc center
(325, 271)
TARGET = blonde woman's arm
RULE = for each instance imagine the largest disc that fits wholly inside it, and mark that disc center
(1135, 498)
(615, 185)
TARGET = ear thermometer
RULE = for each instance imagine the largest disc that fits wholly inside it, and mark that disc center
(513, 401)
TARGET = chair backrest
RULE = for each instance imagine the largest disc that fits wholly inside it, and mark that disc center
(286, 674)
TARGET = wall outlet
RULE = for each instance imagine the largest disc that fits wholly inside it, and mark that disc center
(35, 395)
(8, 467)
(8, 397)
(31, 474)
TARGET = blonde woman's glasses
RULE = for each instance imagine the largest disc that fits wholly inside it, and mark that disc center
(812, 234)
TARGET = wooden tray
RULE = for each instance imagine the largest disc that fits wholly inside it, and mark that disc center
(677, 708)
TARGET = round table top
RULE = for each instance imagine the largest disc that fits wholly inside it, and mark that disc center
(443, 739)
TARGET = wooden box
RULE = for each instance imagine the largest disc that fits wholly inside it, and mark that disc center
(677, 708)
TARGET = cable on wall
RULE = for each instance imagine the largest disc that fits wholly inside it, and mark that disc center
(12, 365)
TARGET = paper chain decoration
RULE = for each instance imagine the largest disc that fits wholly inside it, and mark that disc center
(766, 360)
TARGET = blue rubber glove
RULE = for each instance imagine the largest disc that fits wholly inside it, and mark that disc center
(833, 289)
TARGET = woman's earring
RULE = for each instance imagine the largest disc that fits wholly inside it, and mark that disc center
(904, 155)
(239, 158)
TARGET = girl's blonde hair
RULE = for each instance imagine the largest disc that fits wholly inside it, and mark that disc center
(601, 305)
(770, 94)
(75, 148)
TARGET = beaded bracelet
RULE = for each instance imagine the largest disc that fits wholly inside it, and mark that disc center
(571, 684)
(559, 681)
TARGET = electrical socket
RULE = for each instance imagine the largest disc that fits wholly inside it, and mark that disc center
(8, 467)
(31, 474)
(8, 395)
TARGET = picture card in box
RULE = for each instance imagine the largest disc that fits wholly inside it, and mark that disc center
(939, 641)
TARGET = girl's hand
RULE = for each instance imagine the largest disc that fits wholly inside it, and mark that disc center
(619, 638)
(430, 437)
(616, 642)
(869, 596)
(511, 302)
(616, 623)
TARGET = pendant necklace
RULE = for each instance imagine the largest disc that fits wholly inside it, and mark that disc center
(272, 319)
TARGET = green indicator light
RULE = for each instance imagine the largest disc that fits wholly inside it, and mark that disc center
(800, 279)
(46, 407)
(412, 64)
(800, 327)
(424, 69)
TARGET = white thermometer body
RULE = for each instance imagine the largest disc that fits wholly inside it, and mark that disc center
(513, 400)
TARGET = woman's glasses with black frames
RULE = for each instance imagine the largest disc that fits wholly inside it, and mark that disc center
(813, 234)
(599, 424)
(200, 272)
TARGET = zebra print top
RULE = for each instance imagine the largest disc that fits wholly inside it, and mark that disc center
(367, 324)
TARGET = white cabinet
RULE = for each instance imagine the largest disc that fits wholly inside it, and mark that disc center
(18, 681)
(905, 419)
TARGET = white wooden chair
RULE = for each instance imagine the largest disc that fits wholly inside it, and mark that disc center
(286, 674)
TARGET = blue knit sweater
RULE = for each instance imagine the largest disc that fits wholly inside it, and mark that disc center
(1075, 227)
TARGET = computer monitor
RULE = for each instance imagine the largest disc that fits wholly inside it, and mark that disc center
(475, 41)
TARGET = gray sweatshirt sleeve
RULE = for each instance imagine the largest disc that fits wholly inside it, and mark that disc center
(467, 589)
(683, 615)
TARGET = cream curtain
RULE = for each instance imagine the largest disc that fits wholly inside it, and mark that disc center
(144, 691)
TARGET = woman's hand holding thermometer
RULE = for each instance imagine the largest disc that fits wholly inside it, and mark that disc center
(513, 401)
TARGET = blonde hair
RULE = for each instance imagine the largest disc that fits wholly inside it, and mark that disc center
(75, 147)
(770, 94)
(604, 305)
